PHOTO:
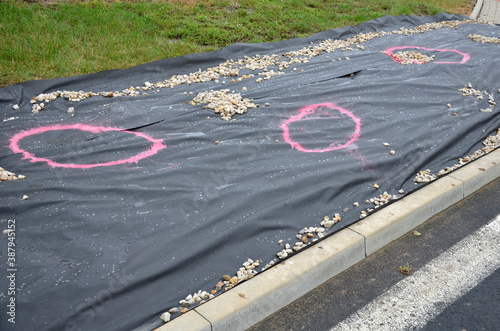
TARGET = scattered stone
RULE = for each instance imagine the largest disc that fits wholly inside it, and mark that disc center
(15, 107)
(165, 317)
(379, 201)
(392, 152)
(416, 233)
(424, 177)
(376, 186)
(25, 197)
(183, 311)
(470, 91)
(226, 277)
(10, 119)
(386, 144)
(173, 310)
(490, 144)
(401, 191)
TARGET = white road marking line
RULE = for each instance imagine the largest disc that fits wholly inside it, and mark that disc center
(420, 297)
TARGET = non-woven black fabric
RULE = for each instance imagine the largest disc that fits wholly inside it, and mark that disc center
(112, 247)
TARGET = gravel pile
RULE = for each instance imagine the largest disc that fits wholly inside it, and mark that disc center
(224, 103)
(409, 57)
(7, 175)
(490, 144)
(482, 39)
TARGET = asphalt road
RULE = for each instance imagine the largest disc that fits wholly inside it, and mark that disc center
(454, 281)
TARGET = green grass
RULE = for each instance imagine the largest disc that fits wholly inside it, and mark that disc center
(43, 39)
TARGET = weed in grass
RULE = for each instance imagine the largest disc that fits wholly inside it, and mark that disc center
(405, 269)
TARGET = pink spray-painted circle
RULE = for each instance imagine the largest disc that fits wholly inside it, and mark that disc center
(465, 56)
(14, 145)
(311, 109)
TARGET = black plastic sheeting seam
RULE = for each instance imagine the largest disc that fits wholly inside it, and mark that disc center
(132, 203)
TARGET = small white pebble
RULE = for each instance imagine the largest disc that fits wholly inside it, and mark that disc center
(449, 106)
(16, 107)
(386, 144)
(392, 152)
(165, 317)
(71, 109)
(25, 197)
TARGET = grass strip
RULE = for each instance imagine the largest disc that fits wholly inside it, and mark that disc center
(45, 39)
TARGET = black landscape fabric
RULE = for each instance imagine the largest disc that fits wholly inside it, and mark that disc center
(133, 203)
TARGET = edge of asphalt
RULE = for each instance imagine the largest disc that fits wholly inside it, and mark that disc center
(254, 300)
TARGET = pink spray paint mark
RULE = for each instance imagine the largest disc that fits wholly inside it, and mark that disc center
(465, 56)
(311, 109)
(14, 145)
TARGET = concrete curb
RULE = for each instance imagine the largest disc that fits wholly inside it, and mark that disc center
(477, 10)
(254, 300)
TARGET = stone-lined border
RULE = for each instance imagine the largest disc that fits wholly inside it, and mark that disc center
(255, 299)
(477, 10)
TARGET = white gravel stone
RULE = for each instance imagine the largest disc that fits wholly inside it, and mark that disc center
(174, 310)
(165, 317)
